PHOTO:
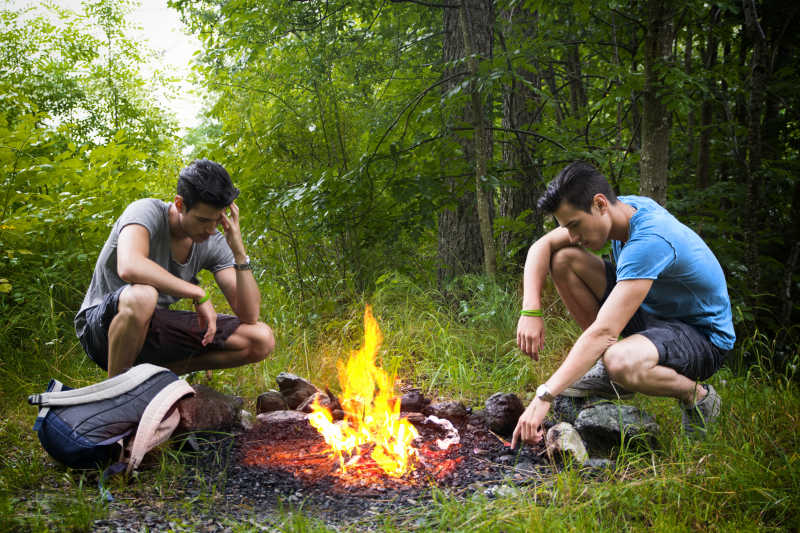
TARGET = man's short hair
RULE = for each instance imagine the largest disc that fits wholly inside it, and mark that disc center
(208, 182)
(577, 184)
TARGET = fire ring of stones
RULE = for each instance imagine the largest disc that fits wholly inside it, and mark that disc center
(277, 457)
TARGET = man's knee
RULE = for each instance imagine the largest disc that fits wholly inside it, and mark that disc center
(628, 360)
(619, 363)
(563, 259)
(262, 342)
(137, 302)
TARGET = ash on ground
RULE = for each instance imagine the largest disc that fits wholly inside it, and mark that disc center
(479, 463)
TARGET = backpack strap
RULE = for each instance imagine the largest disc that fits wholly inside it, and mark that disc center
(104, 390)
(54, 386)
(158, 421)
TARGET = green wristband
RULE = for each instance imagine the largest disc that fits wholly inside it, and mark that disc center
(201, 300)
(531, 312)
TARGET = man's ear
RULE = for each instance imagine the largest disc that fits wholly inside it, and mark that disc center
(600, 202)
(179, 203)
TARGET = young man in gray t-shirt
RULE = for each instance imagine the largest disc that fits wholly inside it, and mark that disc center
(151, 260)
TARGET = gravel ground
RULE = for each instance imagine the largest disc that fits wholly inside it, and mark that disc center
(219, 493)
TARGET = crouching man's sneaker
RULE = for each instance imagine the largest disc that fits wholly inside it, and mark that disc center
(698, 417)
(596, 382)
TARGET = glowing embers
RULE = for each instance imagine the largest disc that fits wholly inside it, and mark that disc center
(371, 423)
(301, 452)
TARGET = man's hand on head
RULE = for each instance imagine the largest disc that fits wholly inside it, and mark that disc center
(232, 230)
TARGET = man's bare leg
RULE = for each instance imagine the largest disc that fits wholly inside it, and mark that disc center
(128, 328)
(633, 363)
(250, 343)
(580, 279)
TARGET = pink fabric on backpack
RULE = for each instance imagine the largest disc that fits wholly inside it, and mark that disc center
(158, 421)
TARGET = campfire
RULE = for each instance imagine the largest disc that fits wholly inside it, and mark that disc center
(369, 442)
(361, 438)
(372, 424)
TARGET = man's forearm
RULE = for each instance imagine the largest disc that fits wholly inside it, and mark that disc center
(536, 267)
(584, 353)
(145, 271)
(248, 297)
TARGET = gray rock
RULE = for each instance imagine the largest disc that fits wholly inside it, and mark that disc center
(501, 491)
(319, 397)
(281, 417)
(563, 441)
(413, 400)
(455, 412)
(527, 468)
(599, 463)
(477, 419)
(269, 401)
(294, 389)
(565, 409)
(502, 412)
(602, 427)
(209, 409)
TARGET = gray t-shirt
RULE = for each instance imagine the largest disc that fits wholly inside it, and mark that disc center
(213, 255)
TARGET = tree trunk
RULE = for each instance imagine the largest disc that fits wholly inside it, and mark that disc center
(654, 162)
(577, 92)
(521, 112)
(473, 20)
(691, 117)
(759, 73)
(706, 108)
(792, 242)
(460, 245)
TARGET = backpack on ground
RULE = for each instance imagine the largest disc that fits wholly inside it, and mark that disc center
(91, 426)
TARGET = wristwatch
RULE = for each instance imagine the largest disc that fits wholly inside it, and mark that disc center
(243, 266)
(544, 393)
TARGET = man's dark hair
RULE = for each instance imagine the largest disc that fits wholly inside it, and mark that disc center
(577, 184)
(208, 182)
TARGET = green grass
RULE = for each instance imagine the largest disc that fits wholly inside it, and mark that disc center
(745, 476)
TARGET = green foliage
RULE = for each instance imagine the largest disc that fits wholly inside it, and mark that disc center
(333, 119)
(71, 157)
(339, 120)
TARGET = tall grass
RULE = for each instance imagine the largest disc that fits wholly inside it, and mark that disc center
(460, 345)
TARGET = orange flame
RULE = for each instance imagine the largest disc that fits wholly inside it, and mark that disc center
(372, 415)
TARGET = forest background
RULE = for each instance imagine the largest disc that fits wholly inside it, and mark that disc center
(392, 152)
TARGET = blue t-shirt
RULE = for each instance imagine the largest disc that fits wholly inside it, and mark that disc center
(688, 282)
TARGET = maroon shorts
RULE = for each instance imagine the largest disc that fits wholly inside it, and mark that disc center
(172, 335)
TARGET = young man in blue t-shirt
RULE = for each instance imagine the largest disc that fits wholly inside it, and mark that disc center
(666, 297)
